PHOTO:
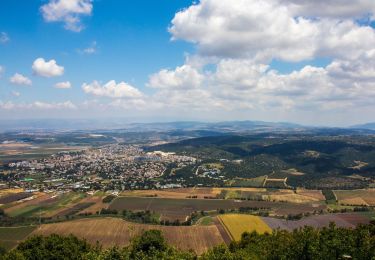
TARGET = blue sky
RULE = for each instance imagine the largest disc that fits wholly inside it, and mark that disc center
(131, 37)
(281, 60)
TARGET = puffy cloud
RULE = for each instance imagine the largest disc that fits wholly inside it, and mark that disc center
(67, 11)
(1, 70)
(19, 79)
(4, 38)
(182, 77)
(63, 85)
(47, 68)
(232, 69)
(112, 90)
(237, 85)
(267, 30)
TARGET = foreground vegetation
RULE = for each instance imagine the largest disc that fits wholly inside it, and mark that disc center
(306, 243)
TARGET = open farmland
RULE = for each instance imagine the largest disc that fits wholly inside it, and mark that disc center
(96, 202)
(180, 193)
(300, 196)
(27, 207)
(46, 205)
(236, 224)
(9, 198)
(113, 231)
(356, 197)
(11, 236)
(348, 220)
(24, 151)
(172, 209)
(65, 204)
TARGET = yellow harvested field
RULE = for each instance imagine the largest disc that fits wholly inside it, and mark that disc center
(117, 232)
(236, 224)
(354, 201)
(356, 197)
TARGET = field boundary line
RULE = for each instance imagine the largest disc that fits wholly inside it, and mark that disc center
(334, 193)
(226, 228)
(265, 181)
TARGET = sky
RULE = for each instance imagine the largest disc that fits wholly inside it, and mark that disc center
(302, 61)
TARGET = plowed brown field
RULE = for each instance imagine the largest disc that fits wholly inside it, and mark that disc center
(113, 231)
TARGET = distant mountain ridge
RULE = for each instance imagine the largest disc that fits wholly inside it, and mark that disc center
(109, 124)
(122, 124)
(370, 126)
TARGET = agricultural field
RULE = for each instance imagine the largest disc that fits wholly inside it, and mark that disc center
(113, 231)
(96, 202)
(13, 197)
(298, 196)
(21, 208)
(348, 220)
(45, 205)
(356, 197)
(180, 193)
(283, 195)
(236, 224)
(172, 209)
(11, 236)
(28, 151)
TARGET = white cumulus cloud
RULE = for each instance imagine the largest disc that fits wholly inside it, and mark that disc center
(47, 69)
(268, 30)
(63, 85)
(182, 77)
(112, 90)
(67, 11)
(19, 79)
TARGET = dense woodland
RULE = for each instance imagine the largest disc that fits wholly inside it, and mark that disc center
(307, 243)
(326, 161)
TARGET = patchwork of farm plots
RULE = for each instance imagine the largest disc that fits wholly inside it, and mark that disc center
(117, 232)
(298, 196)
